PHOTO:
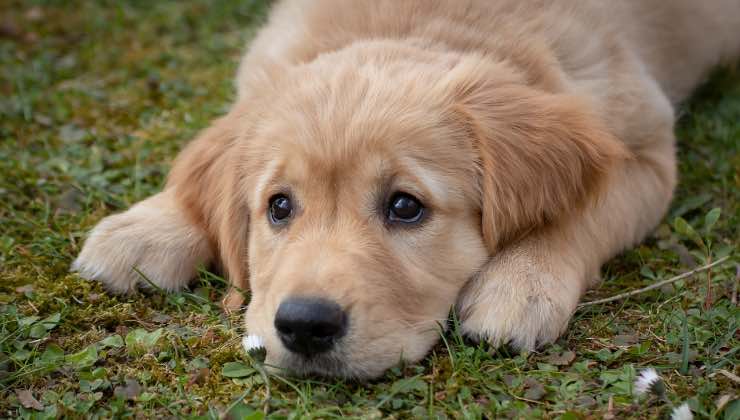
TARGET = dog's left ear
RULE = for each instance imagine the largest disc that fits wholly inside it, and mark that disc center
(540, 155)
(206, 184)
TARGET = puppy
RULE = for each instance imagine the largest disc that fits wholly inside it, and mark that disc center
(386, 161)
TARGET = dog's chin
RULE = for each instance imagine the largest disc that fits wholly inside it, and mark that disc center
(327, 365)
(324, 365)
(332, 364)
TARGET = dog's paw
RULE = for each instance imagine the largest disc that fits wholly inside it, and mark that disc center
(523, 298)
(233, 300)
(153, 239)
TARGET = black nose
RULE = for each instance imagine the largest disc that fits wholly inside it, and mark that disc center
(310, 325)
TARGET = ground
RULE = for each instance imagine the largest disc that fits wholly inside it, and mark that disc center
(96, 97)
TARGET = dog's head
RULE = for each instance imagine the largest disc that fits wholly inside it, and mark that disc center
(360, 192)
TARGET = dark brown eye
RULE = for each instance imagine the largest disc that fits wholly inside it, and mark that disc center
(280, 208)
(405, 208)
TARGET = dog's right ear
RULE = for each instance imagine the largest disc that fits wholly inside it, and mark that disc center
(541, 155)
(204, 178)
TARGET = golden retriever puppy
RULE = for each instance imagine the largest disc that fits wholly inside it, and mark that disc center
(386, 161)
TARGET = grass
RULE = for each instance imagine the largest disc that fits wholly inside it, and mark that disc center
(96, 97)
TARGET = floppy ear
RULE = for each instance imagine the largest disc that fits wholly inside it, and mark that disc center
(205, 179)
(541, 155)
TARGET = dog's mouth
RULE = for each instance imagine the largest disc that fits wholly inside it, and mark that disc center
(329, 364)
(312, 336)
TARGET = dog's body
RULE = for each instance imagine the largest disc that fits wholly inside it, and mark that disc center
(538, 134)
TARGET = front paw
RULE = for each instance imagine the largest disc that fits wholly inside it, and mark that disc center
(522, 298)
(152, 239)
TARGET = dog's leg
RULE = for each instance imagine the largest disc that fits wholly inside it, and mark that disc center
(164, 238)
(153, 239)
(527, 293)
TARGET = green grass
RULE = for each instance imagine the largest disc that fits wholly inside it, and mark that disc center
(96, 98)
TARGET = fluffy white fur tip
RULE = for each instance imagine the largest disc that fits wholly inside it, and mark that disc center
(252, 342)
(682, 412)
(645, 381)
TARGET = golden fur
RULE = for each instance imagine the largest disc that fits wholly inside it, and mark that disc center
(537, 134)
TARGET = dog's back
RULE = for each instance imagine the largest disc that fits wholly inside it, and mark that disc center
(680, 40)
(677, 41)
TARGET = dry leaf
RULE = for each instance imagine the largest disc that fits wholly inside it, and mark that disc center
(27, 400)
(535, 390)
(24, 289)
(128, 392)
(563, 359)
(625, 339)
(722, 401)
(35, 14)
(198, 377)
(160, 318)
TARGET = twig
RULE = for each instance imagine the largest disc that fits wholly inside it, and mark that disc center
(231, 406)
(733, 299)
(729, 375)
(268, 394)
(526, 399)
(33, 307)
(656, 285)
(709, 299)
(610, 409)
